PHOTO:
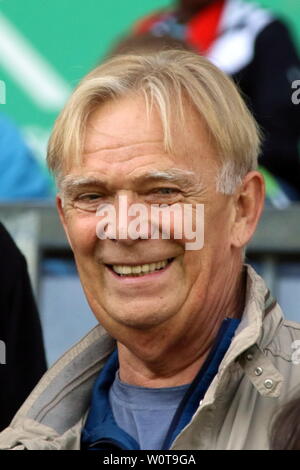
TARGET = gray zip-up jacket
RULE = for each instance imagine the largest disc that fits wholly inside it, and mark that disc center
(258, 373)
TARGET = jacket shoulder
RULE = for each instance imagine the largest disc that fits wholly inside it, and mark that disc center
(286, 341)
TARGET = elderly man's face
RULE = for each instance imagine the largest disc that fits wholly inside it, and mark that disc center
(122, 150)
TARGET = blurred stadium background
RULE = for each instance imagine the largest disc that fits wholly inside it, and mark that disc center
(45, 49)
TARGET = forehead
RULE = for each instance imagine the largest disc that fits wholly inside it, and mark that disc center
(122, 133)
(120, 124)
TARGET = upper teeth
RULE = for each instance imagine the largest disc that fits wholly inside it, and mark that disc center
(139, 269)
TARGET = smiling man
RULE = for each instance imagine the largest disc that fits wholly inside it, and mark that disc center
(191, 351)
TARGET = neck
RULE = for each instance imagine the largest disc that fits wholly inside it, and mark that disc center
(135, 370)
(157, 362)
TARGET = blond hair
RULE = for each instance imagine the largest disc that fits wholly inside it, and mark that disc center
(166, 79)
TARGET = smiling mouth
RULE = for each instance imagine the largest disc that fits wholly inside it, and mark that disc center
(139, 269)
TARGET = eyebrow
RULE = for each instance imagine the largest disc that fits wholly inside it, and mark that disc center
(70, 183)
(185, 178)
(174, 175)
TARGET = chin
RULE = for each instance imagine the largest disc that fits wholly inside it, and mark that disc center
(143, 315)
(134, 317)
(141, 322)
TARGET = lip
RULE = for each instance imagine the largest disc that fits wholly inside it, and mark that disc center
(137, 263)
(140, 279)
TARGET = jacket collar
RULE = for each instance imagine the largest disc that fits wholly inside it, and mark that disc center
(255, 332)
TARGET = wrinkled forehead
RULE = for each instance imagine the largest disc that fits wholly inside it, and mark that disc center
(126, 128)
(123, 122)
(130, 120)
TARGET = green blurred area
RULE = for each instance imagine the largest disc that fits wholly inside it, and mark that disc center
(73, 36)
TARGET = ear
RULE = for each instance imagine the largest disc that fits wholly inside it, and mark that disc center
(62, 216)
(249, 203)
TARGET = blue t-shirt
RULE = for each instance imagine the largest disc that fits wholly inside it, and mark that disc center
(145, 413)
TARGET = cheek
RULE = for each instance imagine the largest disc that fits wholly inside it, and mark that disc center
(185, 225)
(218, 225)
(82, 233)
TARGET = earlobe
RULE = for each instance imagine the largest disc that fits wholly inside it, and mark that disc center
(249, 204)
(60, 209)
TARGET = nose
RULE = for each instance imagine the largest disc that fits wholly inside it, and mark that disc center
(126, 221)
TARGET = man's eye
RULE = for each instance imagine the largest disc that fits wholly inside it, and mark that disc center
(166, 191)
(88, 202)
(89, 197)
